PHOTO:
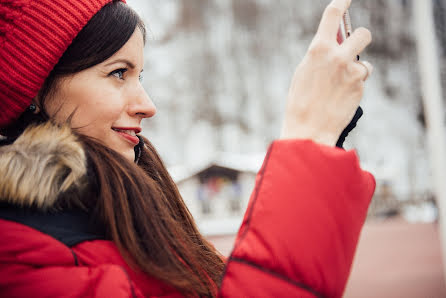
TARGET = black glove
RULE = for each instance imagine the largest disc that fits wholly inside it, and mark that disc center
(349, 128)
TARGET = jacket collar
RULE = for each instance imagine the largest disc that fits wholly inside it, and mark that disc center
(68, 226)
(44, 163)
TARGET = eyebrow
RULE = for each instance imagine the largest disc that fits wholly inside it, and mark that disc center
(125, 61)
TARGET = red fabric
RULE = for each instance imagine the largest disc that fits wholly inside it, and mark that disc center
(33, 264)
(253, 279)
(33, 36)
(297, 239)
(303, 221)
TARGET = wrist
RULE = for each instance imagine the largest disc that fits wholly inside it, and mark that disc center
(300, 132)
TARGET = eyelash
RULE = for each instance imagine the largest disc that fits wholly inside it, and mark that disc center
(122, 71)
(119, 71)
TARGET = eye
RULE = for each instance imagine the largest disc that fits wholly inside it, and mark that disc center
(119, 73)
(141, 77)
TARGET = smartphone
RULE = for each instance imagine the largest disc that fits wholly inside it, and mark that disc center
(345, 28)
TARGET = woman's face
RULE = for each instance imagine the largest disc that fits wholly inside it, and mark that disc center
(107, 99)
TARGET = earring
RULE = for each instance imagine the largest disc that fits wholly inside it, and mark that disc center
(32, 108)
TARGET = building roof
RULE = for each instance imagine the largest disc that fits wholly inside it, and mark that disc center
(245, 163)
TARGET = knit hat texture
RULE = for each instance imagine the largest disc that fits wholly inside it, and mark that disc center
(34, 34)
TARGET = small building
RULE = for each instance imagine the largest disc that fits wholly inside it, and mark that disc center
(217, 192)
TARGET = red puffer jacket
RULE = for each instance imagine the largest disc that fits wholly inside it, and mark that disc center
(297, 239)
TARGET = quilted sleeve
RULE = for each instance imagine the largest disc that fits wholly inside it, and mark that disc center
(302, 225)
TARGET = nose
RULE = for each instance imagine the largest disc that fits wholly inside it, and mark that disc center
(142, 105)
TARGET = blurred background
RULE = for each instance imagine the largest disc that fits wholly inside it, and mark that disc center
(218, 72)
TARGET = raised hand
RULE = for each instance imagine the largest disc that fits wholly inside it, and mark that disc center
(328, 84)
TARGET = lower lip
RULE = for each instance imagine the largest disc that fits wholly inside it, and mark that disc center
(132, 139)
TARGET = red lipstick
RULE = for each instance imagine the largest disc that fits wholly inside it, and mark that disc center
(128, 133)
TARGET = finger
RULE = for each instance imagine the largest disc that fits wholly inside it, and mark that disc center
(368, 69)
(357, 42)
(331, 19)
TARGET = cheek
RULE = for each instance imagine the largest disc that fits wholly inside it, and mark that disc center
(92, 103)
(96, 117)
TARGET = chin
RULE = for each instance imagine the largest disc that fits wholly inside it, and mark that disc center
(129, 155)
(126, 150)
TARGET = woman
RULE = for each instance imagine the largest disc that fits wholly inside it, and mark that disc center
(87, 206)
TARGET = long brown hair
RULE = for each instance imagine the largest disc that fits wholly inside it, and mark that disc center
(138, 204)
(145, 216)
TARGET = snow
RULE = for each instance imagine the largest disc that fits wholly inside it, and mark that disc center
(220, 82)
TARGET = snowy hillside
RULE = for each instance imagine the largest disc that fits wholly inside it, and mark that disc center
(218, 71)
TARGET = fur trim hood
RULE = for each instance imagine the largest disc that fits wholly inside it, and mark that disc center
(44, 162)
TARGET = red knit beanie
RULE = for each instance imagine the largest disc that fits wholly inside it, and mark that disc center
(33, 36)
